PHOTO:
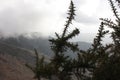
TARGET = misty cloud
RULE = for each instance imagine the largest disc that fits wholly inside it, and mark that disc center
(23, 16)
(45, 16)
(18, 19)
(85, 19)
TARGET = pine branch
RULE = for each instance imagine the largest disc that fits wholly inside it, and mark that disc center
(71, 14)
(41, 68)
(118, 1)
(37, 57)
(72, 34)
(31, 68)
(114, 9)
(73, 47)
(108, 22)
(59, 45)
(98, 39)
(112, 25)
(57, 35)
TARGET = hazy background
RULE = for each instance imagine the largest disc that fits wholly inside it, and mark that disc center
(49, 16)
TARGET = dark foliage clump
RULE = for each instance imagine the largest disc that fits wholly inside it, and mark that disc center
(62, 64)
(109, 68)
(99, 62)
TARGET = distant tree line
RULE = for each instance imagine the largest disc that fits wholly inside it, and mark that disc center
(99, 62)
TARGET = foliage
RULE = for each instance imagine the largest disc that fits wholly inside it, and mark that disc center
(62, 63)
(108, 68)
(41, 68)
(99, 62)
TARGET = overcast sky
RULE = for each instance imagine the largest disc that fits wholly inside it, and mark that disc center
(49, 16)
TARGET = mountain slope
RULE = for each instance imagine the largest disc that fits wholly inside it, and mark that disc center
(13, 69)
(22, 54)
(41, 44)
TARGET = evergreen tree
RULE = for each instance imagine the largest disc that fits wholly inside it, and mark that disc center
(108, 67)
(88, 61)
(62, 63)
(99, 62)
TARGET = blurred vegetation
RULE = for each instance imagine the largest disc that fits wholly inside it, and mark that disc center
(99, 62)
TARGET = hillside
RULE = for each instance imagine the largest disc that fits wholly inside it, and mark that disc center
(22, 54)
(41, 44)
(13, 69)
(12, 63)
(15, 53)
(13, 60)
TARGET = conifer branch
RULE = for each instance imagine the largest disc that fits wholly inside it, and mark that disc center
(73, 47)
(57, 35)
(37, 57)
(60, 44)
(40, 69)
(71, 14)
(114, 9)
(108, 22)
(118, 1)
(98, 39)
(72, 34)
(31, 68)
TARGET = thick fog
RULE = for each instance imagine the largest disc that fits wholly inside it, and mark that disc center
(48, 16)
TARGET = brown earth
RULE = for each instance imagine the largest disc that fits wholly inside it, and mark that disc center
(13, 69)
